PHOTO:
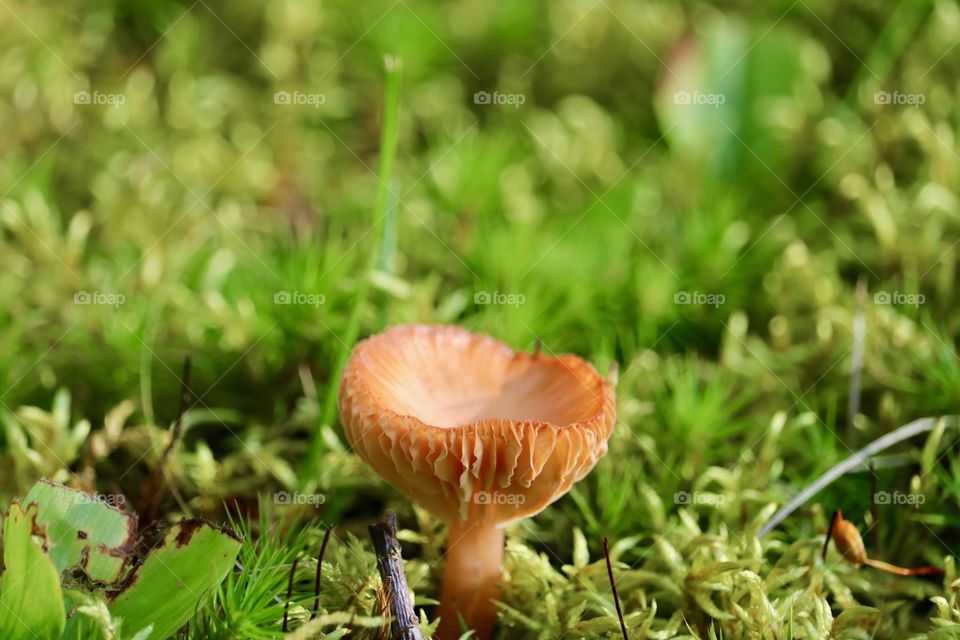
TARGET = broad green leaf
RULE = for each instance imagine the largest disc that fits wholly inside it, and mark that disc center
(732, 95)
(164, 591)
(31, 603)
(84, 530)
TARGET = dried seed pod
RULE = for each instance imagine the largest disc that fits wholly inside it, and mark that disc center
(848, 540)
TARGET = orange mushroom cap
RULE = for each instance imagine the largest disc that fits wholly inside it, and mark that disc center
(469, 428)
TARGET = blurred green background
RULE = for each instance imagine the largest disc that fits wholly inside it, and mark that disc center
(693, 190)
(192, 193)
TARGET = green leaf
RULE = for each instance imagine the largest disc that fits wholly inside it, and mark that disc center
(732, 95)
(84, 530)
(31, 603)
(163, 591)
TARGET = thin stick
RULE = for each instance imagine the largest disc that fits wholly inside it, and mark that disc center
(404, 622)
(613, 586)
(826, 541)
(537, 347)
(902, 571)
(286, 605)
(316, 583)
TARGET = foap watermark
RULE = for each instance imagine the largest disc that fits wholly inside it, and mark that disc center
(898, 98)
(699, 99)
(299, 98)
(299, 297)
(115, 500)
(96, 97)
(498, 498)
(297, 498)
(699, 298)
(683, 498)
(900, 298)
(502, 99)
(899, 498)
(496, 297)
(99, 297)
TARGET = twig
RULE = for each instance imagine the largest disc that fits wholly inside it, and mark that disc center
(286, 605)
(613, 586)
(316, 583)
(404, 622)
(537, 347)
(826, 541)
(903, 571)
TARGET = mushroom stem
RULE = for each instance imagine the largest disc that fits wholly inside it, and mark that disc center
(474, 553)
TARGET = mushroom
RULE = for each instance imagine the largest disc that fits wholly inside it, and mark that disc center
(479, 435)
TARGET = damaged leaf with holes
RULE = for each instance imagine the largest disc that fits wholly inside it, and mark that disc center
(84, 531)
(63, 531)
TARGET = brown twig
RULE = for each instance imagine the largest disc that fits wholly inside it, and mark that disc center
(286, 605)
(537, 347)
(613, 586)
(833, 523)
(903, 571)
(316, 583)
(404, 622)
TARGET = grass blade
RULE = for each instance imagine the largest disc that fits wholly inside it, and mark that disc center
(388, 152)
